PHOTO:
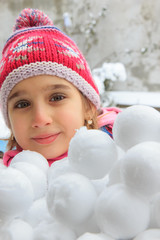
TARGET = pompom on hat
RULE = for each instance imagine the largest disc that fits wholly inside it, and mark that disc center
(37, 47)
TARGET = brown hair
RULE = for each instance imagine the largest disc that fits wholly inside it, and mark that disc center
(1, 154)
(91, 113)
(11, 142)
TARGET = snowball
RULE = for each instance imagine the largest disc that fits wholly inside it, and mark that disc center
(92, 236)
(141, 168)
(108, 71)
(16, 193)
(155, 211)
(18, 230)
(121, 214)
(150, 234)
(100, 184)
(2, 166)
(121, 152)
(99, 77)
(114, 71)
(136, 124)
(35, 175)
(37, 212)
(92, 153)
(71, 198)
(90, 225)
(67, 20)
(114, 175)
(53, 231)
(32, 157)
(58, 168)
(4, 234)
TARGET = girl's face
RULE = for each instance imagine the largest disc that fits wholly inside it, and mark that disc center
(44, 113)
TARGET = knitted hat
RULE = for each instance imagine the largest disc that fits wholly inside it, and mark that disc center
(37, 47)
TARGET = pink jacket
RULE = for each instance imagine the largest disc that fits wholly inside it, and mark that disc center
(105, 122)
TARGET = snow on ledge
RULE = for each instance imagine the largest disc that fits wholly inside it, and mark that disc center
(125, 98)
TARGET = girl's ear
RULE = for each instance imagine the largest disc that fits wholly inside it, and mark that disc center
(90, 113)
(91, 116)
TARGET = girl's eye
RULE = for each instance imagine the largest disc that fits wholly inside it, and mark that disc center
(57, 98)
(22, 104)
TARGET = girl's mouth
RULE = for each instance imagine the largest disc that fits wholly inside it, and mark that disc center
(45, 139)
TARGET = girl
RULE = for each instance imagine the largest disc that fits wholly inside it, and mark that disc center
(47, 91)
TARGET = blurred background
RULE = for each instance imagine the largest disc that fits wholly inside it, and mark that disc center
(120, 40)
(106, 31)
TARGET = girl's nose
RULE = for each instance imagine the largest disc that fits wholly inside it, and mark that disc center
(41, 117)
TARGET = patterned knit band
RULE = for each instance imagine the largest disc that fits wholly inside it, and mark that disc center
(37, 48)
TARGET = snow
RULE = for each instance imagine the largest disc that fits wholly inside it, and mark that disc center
(109, 71)
(59, 168)
(116, 72)
(155, 211)
(37, 177)
(68, 205)
(128, 98)
(105, 189)
(91, 236)
(16, 194)
(136, 124)
(88, 149)
(116, 211)
(141, 168)
(150, 234)
(67, 20)
(17, 228)
(35, 158)
(37, 212)
(53, 231)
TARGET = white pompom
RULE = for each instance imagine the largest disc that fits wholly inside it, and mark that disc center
(92, 153)
(136, 124)
(121, 214)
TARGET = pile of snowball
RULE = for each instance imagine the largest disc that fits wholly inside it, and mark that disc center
(106, 189)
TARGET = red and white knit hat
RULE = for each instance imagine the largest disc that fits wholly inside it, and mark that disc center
(37, 47)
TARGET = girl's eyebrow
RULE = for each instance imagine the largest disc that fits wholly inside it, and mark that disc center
(55, 87)
(16, 94)
(46, 88)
